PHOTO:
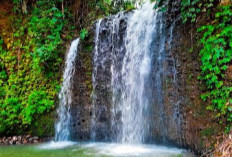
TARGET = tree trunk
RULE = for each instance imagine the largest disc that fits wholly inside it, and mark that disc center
(24, 6)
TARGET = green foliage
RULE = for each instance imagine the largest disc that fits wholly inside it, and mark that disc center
(191, 8)
(83, 33)
(216, 55)
(107, 7)
(98, 9)
(17, 6)
(24, 95)
(160, 5)
(30, 68)
(38, 103)
(44, 28)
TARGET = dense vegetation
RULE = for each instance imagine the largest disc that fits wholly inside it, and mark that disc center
(30, 64)
(216, 56)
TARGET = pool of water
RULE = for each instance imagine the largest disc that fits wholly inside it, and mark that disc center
(72, 149)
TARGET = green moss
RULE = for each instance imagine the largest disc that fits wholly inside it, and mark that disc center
(86, 57)
(208, 132)
(43, 126)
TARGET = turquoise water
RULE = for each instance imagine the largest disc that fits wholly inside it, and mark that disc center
(70, 149)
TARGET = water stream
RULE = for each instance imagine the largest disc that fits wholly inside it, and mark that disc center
(143, 25)
(62, 126)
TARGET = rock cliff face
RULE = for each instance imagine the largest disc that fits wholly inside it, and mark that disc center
(80, 125)
(198, 128)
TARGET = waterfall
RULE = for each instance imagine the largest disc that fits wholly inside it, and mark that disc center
(128, 77)
(109, 47)
(62, 131)
(136, 67)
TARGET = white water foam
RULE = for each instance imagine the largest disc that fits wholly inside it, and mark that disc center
(128, 150)
(56, 145)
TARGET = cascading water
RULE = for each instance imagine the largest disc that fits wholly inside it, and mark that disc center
(136, 67)
(130, 51)
(62, 131)
(109, 47)
(93, 133)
